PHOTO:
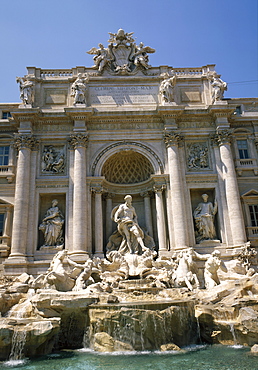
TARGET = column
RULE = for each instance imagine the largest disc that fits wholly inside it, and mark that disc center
(160, 218)
(172, 140)
(79, 144)
(231, 188)
(108, 215)
(24, 143)
(148, 213)
(33, 219)
(97, 190)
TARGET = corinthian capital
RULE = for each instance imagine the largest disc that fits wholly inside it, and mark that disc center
(223, 136)
(78, 140)
(25, 141)
(172, 138)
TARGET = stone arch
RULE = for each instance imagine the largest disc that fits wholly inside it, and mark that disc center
(127, 146)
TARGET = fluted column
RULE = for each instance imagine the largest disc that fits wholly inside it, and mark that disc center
(32, 224)
(108, 215)
(231, 187)
(160, 217)
(148, 213)
(172, 140)
(24, 143)
(98, 221)
(79, 144)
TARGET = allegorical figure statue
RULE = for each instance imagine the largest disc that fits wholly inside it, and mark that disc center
(218, 88)
(26, 90)
(204, 219)
(166, 89)
(52, 226)
(79, 90)
(127, 225)
(212, 265)
(101, 58)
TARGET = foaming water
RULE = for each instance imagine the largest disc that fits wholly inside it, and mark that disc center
(15, 363)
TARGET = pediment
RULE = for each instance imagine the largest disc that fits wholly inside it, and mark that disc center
(250, 194)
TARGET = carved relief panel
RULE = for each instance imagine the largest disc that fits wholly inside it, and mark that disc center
(197, 156)
(53, 160)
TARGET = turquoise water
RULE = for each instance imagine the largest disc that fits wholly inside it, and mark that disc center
(196, 358)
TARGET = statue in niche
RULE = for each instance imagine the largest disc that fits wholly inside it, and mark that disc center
(204, 219)
(26, 89)
(166, 89)
(53, 161)
(218, 88)
(197, 156)
(52, 226)
(212, 265)
(79, 89)
(127, 225)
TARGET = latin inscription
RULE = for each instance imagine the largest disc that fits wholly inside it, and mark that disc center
(123, 95)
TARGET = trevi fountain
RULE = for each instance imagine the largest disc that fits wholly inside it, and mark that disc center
(128, 208)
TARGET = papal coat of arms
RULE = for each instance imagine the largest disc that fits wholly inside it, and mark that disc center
(122, 56)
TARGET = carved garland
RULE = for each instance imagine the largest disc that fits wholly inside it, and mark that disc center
(122, 144)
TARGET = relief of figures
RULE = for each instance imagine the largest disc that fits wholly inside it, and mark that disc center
(53, 160)
(78, 89)
(26, 89)
(204, 219)
(197, 156)
(166, 89)
(122, 56)
(52, 226)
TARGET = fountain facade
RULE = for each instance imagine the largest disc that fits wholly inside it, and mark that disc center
(124, 203)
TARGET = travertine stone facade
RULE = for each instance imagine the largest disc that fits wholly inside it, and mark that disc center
(87, 136)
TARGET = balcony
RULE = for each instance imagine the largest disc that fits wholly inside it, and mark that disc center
(247, 164)
(7, 171)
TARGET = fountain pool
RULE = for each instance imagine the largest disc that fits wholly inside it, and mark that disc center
(214, 357)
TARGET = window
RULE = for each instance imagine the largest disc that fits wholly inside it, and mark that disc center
(1, 224)
(242, 149)
(4, 155)
(238, 109)
(254, 214)
(6, 115)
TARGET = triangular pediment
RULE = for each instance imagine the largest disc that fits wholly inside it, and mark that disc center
(250, 193)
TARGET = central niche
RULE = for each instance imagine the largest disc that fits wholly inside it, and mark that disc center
(127, 167)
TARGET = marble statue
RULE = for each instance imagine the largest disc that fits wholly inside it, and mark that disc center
(122, 56)
(82, 274)
(52, 226)
(140, 57)
(52, 161)
(56, 275)
(78, 89)
(218, 88)
(212, 265)
(186, 272)
(166, 89)
(26, 89)
(204, 219)
(127, 225)
(114, 269)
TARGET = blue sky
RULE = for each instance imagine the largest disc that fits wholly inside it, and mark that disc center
(185, 33)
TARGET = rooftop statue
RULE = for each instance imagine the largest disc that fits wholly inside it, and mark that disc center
(218, 87)
(166, 89)
(26, 89)
(79, 89)
(122, 56)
